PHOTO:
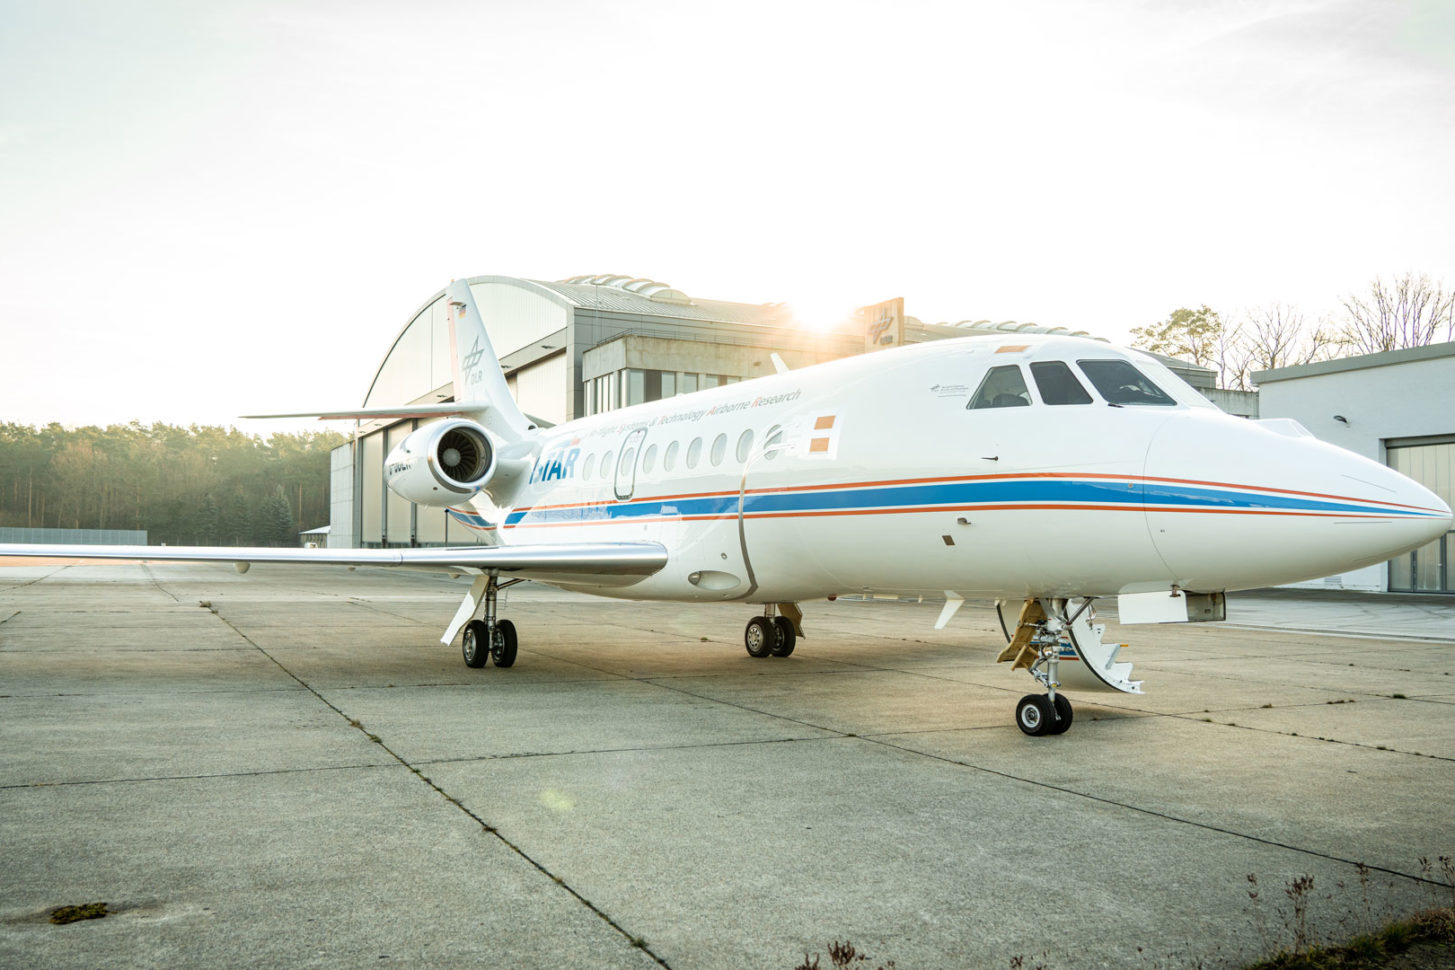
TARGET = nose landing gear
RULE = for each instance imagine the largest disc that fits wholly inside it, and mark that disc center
(1036, 646)
(1048, 713)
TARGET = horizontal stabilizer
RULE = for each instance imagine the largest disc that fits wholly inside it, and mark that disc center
(442, 410)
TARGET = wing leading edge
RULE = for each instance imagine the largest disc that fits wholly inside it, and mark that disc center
(607, 563)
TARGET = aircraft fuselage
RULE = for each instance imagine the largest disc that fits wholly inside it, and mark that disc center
(873, 475)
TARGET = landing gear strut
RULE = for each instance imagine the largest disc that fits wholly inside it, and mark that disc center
(1036, 645)
(770, 634)
(490, 638)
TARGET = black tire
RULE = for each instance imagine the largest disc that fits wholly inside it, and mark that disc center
(504, 648)
(787, 636)
(473, 646)
(1063, 715)
(1034, 715)
(760, 637)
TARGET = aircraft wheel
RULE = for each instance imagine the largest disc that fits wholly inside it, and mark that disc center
(473, 646)
(787, 637)
(760, 637)
(1034, 715)
(502, 651)
(1063, 715)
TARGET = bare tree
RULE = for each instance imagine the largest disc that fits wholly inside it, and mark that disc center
(1230, 356)
(1411, 311)
(1278, 335)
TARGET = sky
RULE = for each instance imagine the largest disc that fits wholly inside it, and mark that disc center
(209, 210)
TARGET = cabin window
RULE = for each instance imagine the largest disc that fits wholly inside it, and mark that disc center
(1002, 387)
(606, 465)
(649, 458)
(745, 446)
(1057, 384)
(669, 457)
(773, 441)
(587, 468)
(694, 452)
(1120, 383)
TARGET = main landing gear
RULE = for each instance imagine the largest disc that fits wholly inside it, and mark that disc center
(770, 634)
(490, 638)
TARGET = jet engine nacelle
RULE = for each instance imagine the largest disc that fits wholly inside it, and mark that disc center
(441, 463)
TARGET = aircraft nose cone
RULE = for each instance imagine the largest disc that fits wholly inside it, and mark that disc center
(1236, 505)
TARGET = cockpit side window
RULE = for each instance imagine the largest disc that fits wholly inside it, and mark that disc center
(1057, 384)
(1003, 387)
(1121, 383)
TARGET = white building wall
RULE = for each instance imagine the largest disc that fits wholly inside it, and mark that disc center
(341, 497)
(1399, 394)
(540, 389)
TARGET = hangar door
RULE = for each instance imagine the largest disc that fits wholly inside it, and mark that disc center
(1431, 462)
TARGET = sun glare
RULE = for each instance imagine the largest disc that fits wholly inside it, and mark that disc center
(822, 314)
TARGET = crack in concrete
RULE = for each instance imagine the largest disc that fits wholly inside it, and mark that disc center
(12, 586)
(140, 780)
(876, 739)
(635, 941)
(152, 578)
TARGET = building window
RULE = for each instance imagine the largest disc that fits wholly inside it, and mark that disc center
(636, 388)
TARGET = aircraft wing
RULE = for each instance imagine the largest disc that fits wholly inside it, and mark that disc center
(604, 563)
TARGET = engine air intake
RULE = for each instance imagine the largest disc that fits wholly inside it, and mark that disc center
(464, 456)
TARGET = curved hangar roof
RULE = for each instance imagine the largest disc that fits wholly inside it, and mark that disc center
(418, 364)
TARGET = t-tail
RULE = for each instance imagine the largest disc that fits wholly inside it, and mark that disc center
(479, 382)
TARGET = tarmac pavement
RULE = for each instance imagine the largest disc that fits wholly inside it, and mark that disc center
(286, 768)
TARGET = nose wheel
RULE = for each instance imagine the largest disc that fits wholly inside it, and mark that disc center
(1039, 714)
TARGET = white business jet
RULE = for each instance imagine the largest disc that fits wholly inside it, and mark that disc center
(1042, 470)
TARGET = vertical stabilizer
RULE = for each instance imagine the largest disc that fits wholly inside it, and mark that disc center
(478, 378)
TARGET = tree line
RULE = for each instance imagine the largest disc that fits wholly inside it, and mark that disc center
(198, 485)
(1408, 311)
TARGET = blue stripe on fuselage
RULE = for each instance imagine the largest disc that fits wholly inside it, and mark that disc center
(1111, 494)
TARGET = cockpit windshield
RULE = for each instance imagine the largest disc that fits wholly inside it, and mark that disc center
(1003, 387)
(1120, 383)
(1057, 384)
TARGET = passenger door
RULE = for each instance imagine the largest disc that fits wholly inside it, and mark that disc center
(626, 464)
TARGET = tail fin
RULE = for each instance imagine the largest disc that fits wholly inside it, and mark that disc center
(479, 381)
